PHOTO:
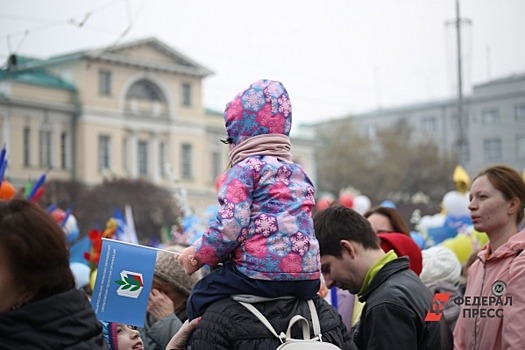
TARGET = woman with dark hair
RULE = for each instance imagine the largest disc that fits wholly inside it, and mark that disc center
(40, 308)
(386, 220)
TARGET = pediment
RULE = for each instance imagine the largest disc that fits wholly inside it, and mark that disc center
(152, 50)
(151, 53)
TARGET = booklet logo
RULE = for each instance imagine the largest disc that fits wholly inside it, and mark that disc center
(130, 284)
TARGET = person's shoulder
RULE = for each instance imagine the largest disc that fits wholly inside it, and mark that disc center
(225, 308)
(402, 287)
(223, 303)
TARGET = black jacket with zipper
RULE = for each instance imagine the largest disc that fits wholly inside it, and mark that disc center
(227, 325)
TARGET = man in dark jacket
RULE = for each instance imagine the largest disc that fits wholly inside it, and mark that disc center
(227, 325)
(396, 301)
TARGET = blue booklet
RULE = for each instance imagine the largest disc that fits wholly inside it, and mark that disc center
(123, 283)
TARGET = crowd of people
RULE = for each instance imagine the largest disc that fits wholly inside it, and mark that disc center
(268, 247)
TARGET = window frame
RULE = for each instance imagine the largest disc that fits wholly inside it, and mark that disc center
(104, 82)
(492, 153)
(187, 161)
(104, 152)
(142, 157)
(186, 97)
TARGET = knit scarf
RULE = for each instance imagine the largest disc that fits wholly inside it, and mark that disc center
(276, 145)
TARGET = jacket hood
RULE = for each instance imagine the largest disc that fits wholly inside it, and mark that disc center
(263, 108)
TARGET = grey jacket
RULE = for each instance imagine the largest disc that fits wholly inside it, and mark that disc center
(157, 335)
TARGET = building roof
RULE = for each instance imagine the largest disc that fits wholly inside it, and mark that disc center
(16, 71)
(505, 80)
(114, 54)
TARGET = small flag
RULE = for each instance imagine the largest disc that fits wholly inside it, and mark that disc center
(123, 284)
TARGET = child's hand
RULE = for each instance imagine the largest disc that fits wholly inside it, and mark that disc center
(188, 260)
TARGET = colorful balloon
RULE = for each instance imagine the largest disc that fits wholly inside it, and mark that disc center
(362, 204)
(461, 245)
(323, 203)
(388, 204)
(7, 191)
(346, 199)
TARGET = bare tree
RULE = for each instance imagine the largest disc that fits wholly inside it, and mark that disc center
(343, 159)
(153, 206)
(390, 165)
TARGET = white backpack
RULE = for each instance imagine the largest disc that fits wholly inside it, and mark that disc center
(289, 343)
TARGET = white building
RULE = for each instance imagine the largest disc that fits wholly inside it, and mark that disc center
(125, 111)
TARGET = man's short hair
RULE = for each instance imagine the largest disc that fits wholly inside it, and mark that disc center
(337, 223)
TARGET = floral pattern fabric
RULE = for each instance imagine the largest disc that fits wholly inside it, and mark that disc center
(270, 232)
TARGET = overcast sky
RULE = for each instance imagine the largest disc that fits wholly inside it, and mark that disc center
(335, 57)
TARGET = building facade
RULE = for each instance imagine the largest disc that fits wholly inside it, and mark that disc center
(493, 124)
(130, 111)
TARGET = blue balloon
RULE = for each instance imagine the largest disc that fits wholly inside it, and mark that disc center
(420, 240)
(439, 234)
(388, 204)
(456, 222)
(73, 235)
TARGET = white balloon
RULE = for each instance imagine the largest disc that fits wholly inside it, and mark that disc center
(361, 204)
(437, 220)
(455, 204)
(428, 221)
(81, 273)
(71, 224)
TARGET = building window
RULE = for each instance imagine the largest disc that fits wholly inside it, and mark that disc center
(162, 159)
(104, 83)
(216, 165)
(27, 146)
(104, 152)
(186, 94)
(492, 149)
(454, 121)
(63, 150)
(186, 161)
(142, 158)
(519, 112)
(490, 116)
(45, 151)
(145, 90)
(125, 154)
(370, 132)
(146, 98)
(429, 124)
(463, 151)
(520, 143)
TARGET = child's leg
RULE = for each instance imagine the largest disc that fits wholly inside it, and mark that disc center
(227, 281)
(305, 289)
(219, 284)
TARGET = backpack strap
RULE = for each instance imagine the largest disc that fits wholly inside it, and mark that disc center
(315, 319)
(282, 337)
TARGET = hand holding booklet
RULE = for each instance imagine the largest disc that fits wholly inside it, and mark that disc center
(123, 283)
